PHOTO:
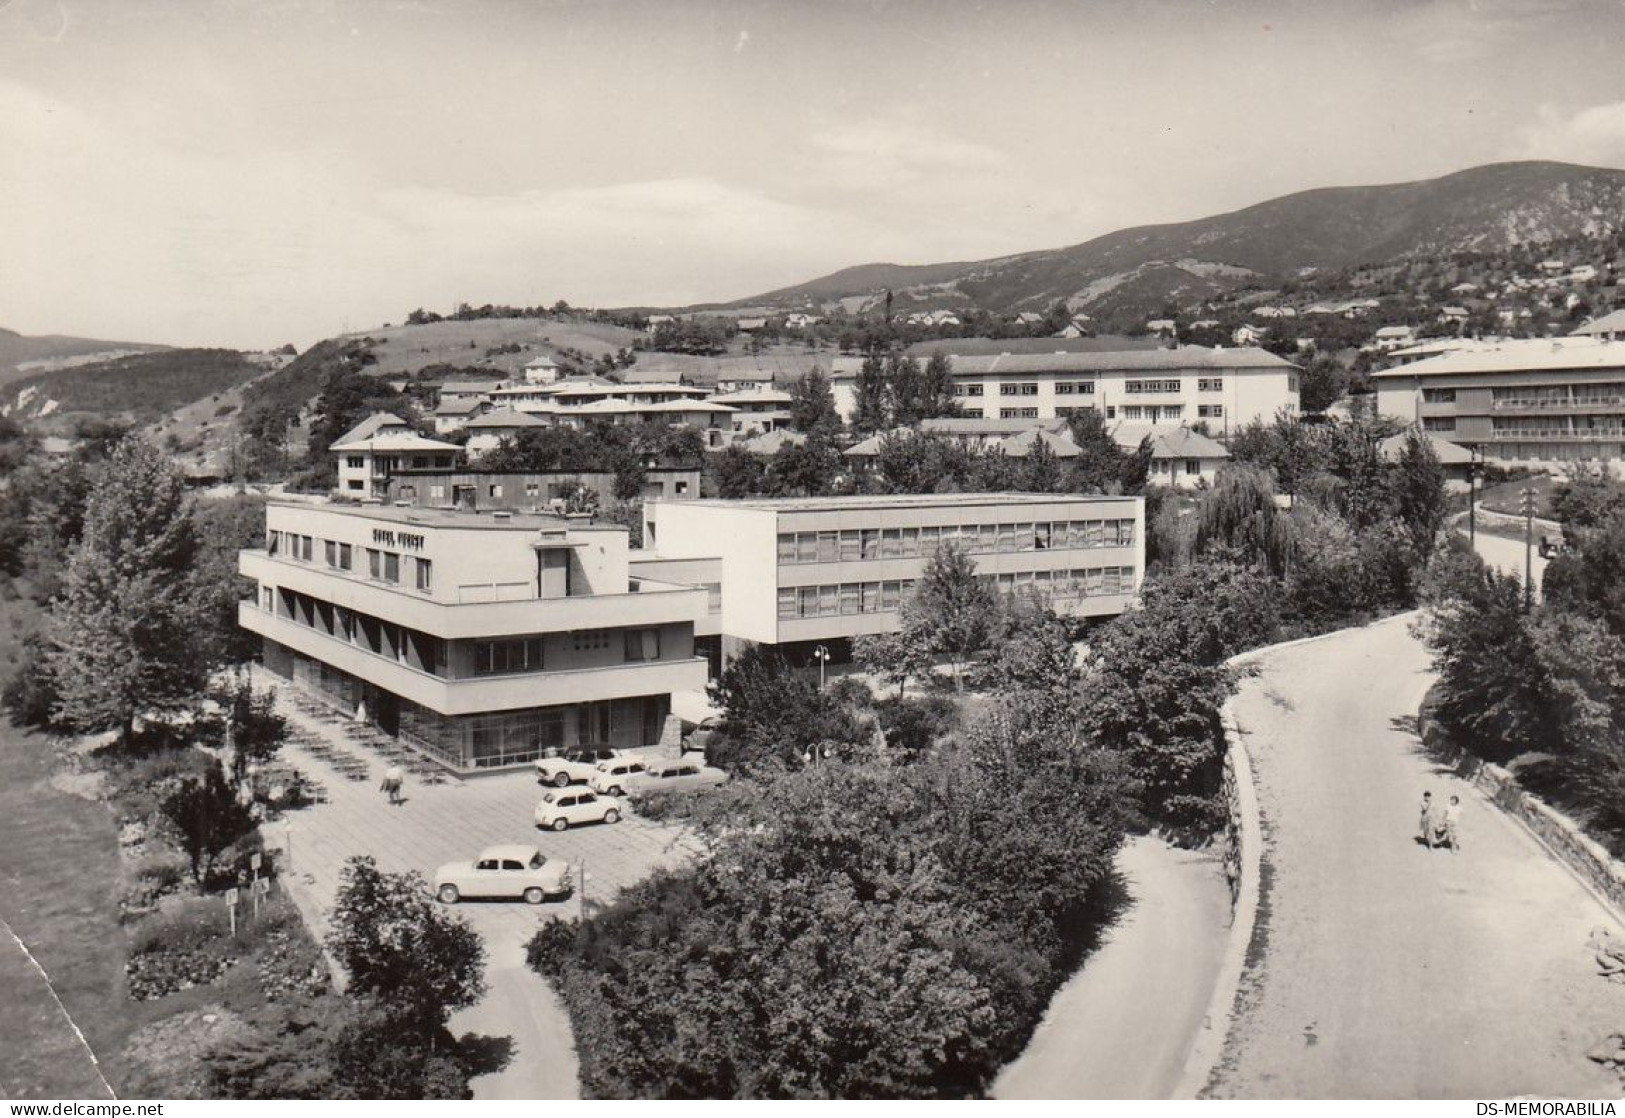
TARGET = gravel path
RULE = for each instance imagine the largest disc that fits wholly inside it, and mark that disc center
(1382, 969)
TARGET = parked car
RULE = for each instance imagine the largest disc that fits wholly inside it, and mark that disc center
(566, 807)
(504, 871)
(672, 775)
(699, 741)
(1550, 547)
(573, 765)
(610, 776)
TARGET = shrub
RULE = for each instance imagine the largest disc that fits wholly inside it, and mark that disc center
(186, 946)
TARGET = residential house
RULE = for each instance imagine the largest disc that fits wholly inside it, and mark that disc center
(489, 431)
(383, 446)
(1389, 338)
(1248, 334)
(1180, 457)
(541, 370)
(450, 415)
(1610, 327)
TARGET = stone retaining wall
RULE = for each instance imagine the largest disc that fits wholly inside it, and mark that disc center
(1587, 857)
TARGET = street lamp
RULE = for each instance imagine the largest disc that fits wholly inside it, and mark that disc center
(821, 654)
(1528, 495)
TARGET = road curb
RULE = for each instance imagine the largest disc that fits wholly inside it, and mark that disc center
(1209, 1046)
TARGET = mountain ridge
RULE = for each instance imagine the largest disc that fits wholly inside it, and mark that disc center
(1488, 207)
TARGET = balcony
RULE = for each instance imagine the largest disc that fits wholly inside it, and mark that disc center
(1559, 434)
(504, 614)
(1561, 406)
(486, 693)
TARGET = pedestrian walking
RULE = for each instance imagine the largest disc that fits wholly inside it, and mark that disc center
(1450, 825)
(393, 779)
(1428, 822)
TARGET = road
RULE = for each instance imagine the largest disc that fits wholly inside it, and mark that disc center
(1507, 555)
(1388, 970)
(1123, 1026)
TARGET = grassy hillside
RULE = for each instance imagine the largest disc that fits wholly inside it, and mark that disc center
(139, 387)
(22, 356)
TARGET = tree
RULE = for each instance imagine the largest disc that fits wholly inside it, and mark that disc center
(812, 406)
(399, 946)
(208, 817)
(1323, 383)
(873, 411)
(936, 394)
(805, 469)
(894, 657)
(1240, 515)
(904, 377)
(1419, 493)
(1101, 464)
(123, 633)
(255, 729)
(952, 610)
(773, 716)
(739, 473)
(225, 526)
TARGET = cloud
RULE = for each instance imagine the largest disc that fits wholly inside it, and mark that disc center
(1595, 135)
(1448, 32)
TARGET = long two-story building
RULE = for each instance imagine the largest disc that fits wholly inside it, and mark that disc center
(1223, 388)
(799, 572)
(479, 638)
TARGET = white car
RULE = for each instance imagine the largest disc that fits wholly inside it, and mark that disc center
(672, 775)
(573, 765)
(504, 871)
(565, 807)
(610, 776)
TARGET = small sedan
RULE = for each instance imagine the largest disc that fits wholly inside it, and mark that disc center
(611, 776)
(566, 807)
(673, 776)
(572, 766)
(504, 872)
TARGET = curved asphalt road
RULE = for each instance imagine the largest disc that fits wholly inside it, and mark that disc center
(1387, 970)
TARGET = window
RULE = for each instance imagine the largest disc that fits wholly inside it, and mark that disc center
(355, 462)
(1075, 388)
(890, 595)
(1111, 411)
(851, 542)
(355, 483)
(870, 543)
(532, 489)
(911, 542)
(498, 657)
(807, 548)
(589, 640)
(1210, 411)
(1125, 533)
(1192, 467)
(425, 574)
(1438, 395)
(267, 598)
(375, 563)
(829, 601)
(392, 567)
(1149, 387)
(929, 540)
(1292, 382)
(871, 597)
(967, 390)
(1018, 413)
(1210, 384)
(849, 598)
(1438, 423)
(829, 549)
(331, 548)
(891, 543)
(808, 601)
(787, 547)
(642, 644)
(494, 490)
(1019, 388)
(437, 492)
(1133, 411)
(787, 602)
(273, 542)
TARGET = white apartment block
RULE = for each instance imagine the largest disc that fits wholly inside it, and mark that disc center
(1225, 388)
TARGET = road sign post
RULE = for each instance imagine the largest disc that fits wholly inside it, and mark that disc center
(231, 908)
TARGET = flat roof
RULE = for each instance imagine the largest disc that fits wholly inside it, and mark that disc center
(1531, 355)
(885, 501)
(468, 519)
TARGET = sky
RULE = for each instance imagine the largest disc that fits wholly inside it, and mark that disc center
(253, 172)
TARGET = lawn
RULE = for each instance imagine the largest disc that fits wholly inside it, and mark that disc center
(1507, 496)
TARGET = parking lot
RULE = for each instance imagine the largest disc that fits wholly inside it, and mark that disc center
(439, 823)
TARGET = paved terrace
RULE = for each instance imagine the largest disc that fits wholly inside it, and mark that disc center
(451, 820)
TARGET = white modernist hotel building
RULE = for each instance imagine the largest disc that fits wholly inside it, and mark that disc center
(484, 638)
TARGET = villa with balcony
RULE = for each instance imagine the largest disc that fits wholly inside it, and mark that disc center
(480, 638)
(383, 447)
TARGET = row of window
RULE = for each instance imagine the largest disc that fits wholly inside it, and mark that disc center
(850, 598)
(1152, 412)
(382, 566)
(1210, 411)
(1018, 413)
(1087, 387)
(855, 544)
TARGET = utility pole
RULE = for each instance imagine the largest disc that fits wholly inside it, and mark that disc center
(1528, 495)
(1476, 464)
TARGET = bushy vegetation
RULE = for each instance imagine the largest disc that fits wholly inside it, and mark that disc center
(1540, 685)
